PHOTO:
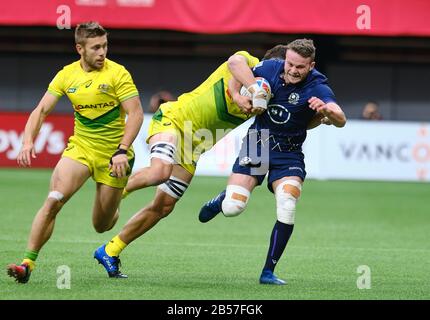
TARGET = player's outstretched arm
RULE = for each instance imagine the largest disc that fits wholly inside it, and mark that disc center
(134, 111)
(32, 127)
(330, 110)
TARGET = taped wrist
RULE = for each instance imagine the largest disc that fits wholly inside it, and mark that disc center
(259, 96)
(118, 152)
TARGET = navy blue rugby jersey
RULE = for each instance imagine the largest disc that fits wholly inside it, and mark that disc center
(288, 113)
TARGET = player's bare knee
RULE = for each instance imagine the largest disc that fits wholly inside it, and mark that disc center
(287, 194)
(99, 228)
(52, 208)
(163, 173)
(160, 172)
(161, 168)
(54, 202)
(236, 200)
(102, 227)
(104, 221)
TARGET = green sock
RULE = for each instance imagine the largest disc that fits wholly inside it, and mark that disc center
(30, 258)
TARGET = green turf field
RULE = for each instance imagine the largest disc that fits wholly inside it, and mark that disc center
(339, 226)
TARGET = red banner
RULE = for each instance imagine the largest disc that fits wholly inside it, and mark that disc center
(353, 17)
(49, 144)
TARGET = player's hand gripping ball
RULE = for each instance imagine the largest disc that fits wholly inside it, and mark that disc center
(260, 93)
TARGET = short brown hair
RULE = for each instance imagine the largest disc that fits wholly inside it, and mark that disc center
(87, 30)
(304, 47)
(277, 52)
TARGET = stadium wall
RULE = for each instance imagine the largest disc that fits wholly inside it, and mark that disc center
(398, 151)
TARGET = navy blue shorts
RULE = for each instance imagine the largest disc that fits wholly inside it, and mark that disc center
(278, 165)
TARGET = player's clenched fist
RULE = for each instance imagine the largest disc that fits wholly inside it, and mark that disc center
(243, 102)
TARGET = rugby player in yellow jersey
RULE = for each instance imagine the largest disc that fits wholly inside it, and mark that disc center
(102, 92)
(175, 147)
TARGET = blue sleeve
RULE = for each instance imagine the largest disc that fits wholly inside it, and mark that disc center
(267, 69)
(323, 92)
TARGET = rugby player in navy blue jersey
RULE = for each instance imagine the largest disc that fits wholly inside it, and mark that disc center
(273, 144)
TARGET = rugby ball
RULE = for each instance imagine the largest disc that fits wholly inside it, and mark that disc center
(262, 83)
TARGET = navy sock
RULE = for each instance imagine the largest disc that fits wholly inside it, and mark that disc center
(278, 241)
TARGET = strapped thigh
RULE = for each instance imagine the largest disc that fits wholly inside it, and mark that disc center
(174, 187)
(163, 150)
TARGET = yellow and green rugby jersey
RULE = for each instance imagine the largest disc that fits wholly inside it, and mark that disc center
(210, 106)
(96, 97)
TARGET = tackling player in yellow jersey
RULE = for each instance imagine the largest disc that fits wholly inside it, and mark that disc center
(102, 92)
(179, 133)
